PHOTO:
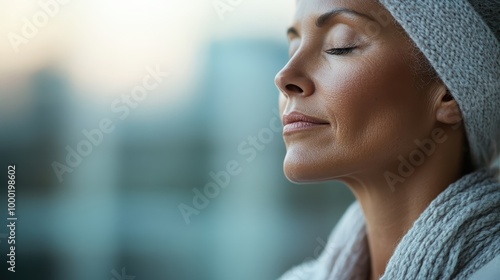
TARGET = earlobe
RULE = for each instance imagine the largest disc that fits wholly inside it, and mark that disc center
(448, 111)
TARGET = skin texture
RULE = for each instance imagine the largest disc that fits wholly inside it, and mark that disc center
(377, 100)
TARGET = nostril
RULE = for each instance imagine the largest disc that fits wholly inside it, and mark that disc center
(294, 88)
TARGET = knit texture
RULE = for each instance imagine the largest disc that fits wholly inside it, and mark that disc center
(460, 40)
(344, 257)
(456, 235)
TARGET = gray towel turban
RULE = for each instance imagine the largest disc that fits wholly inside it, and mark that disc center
(460, 38)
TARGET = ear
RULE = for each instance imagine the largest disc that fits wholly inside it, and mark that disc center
(447, 110)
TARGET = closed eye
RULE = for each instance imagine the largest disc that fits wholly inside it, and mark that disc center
(340, 51)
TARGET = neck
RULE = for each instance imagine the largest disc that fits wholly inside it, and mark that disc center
(391, 207)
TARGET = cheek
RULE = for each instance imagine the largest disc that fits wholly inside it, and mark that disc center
(363, 85)
(375, 105)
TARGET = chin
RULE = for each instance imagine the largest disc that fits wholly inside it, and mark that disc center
(302, 171)
(304, 166)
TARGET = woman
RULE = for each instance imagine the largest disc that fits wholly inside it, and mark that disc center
(398, 99)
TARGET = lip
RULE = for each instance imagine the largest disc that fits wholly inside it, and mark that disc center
(295, 122)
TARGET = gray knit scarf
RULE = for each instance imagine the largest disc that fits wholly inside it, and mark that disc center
(455, 236)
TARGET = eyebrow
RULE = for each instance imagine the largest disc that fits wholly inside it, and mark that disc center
(326, 17)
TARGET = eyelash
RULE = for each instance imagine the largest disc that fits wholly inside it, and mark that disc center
(340, 51)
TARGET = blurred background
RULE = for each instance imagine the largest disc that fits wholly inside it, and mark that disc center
(145, 141)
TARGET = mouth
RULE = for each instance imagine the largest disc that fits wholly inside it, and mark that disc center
(296, 122)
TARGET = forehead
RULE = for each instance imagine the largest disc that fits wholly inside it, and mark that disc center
(307, 10)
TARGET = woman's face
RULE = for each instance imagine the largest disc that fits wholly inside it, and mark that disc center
(352, 72)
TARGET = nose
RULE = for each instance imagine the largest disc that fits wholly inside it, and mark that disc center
(293, 81)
